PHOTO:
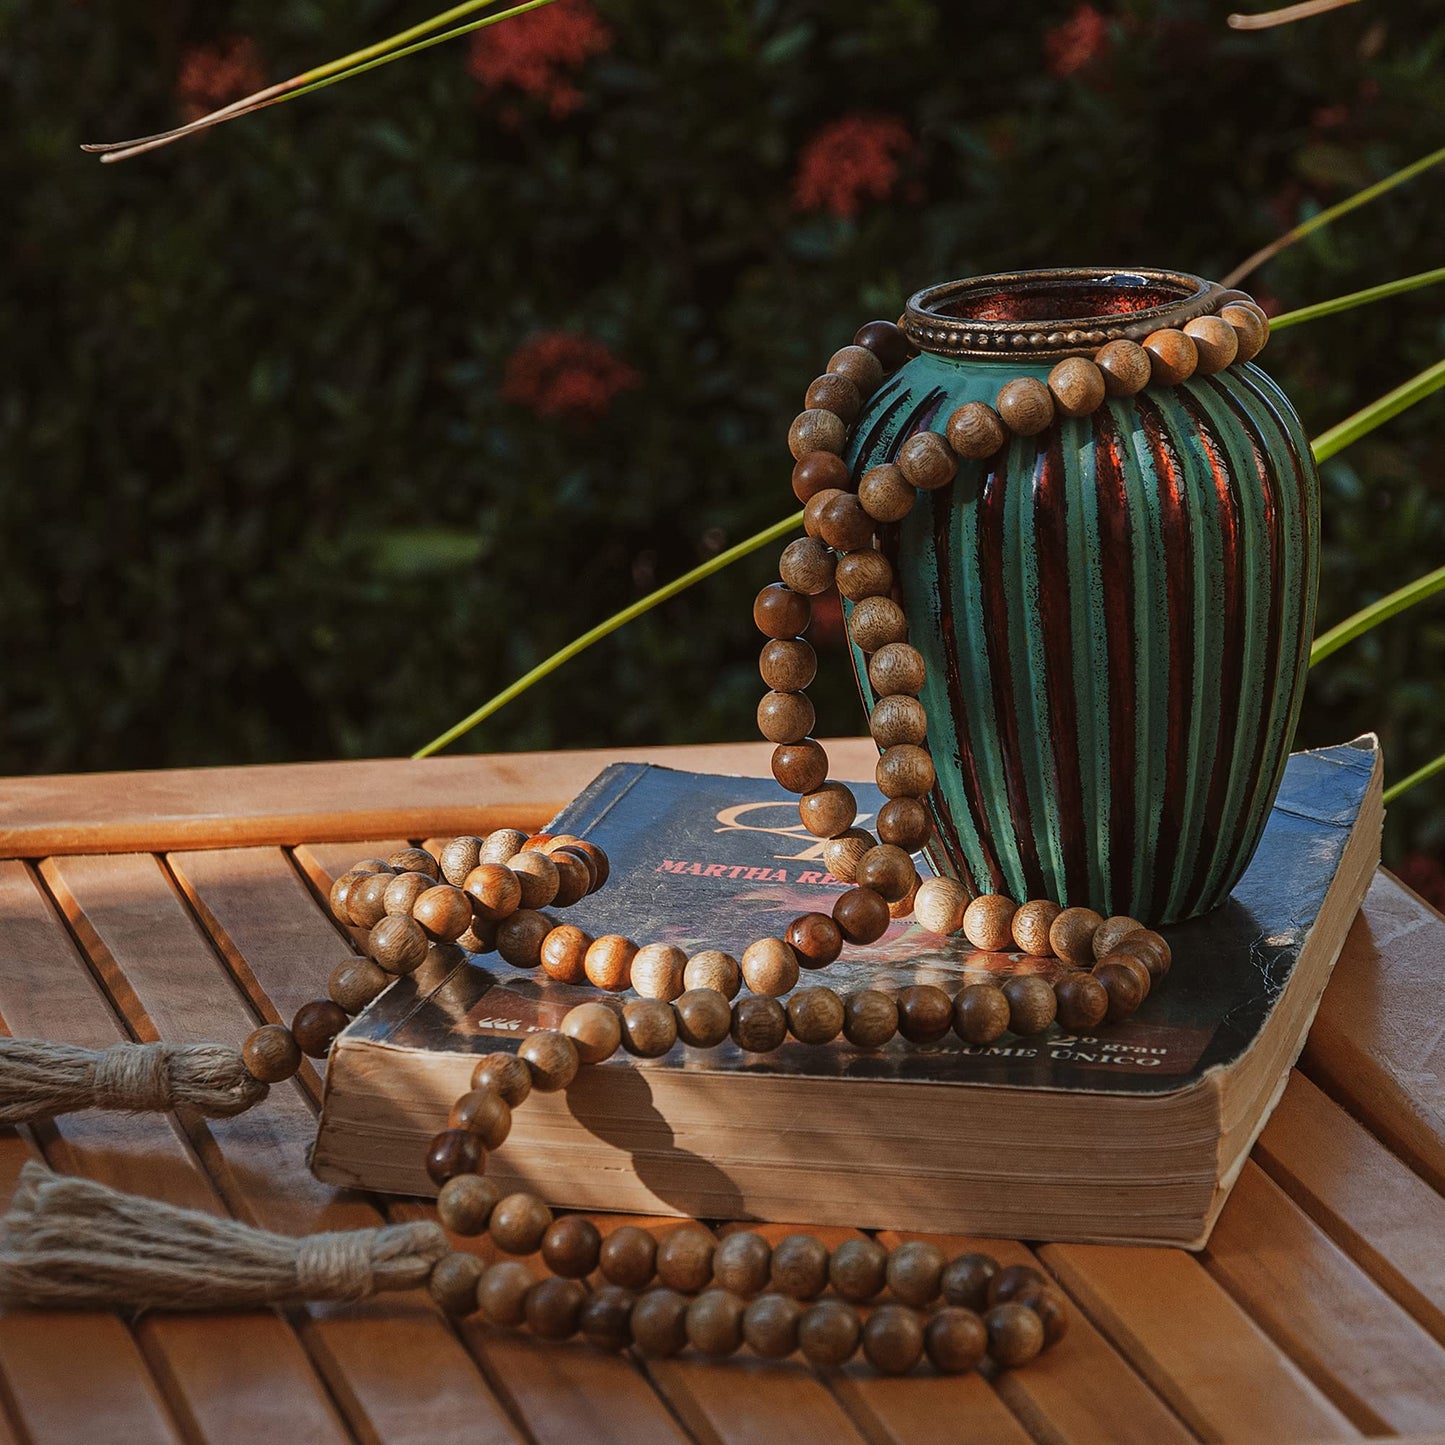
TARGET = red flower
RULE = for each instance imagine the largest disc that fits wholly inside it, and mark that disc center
(214, 75)
(539, 53)
(850, 161)
(1425, 875)
(562, 374)
(1076, 44)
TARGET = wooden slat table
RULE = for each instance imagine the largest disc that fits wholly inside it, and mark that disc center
(188, 906)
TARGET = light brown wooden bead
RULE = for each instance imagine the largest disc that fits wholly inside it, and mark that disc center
(1032, 1005)
(980, 1014)
(1149, 948)
(955, 1340)
(715, 1323)
(860, 366)
(887, 870)
(540, 881)
(898, 718)
(271, 1054)
(780, 612)
(508, 1075)
(893, 1339)
(843, 524)
(500, 846)
(858, 1270)
(684, 1258)
(788, 665)
(595, 1029)
(657, 970)
(940, 905)
(1215, 341)
(741, 1263)
(481, 937)
(520, 937)
(649, 1028)
(864, 573)
(659, 1323)
(494, 891)
(915, 1269)
(1031, 925)
(815, 938)
(574, 877)
(482, 1112)
(897, 668)
(815, 1015)
(831, 392)
(1025, 406)
(829, 1332)
(925, 1013)
(371, 865)
(816, 472)
(1071, 935)
(885, 493)
(397, 944)
(608, 962)
(704, 1019)
(714, 970)
(453, 1283)
(769, 967)
(1015, 1335)
(1172, 357)
(414, 860)
(459, 857)
(564, 953)
(785, 717)
(861, 915)
(877, 621)
(807, 566)
(1082, 1001)
(904, 771)
(905, 823)
(552, 1059)
(1250, 333)
(366, 899)
(828, 810)
(502, 1292)
(1077, 386)
(816, 430)
(444, 912)
(453, 1152)
(518, 1223)
(988, 922)
(340, 891)
(965, 1281)
(770, 1326)
(903, 907)
(629, 1257)
(802, 766)
(605, 1319)
(571, 1246)
(800, 1266)
(975, 431)
(466, 1202)
(841, 854)
(315, 1026)
(403, 891)
(1125, 366)
(816, 506)
(927, 461)
(355, 982)
(870, 1018)
(1121, 983)
(759, 1024)
(1113, 931)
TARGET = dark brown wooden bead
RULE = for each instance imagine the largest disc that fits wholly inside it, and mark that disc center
(885, 493)
(807, 566)
(609, 962)
(518, 1223)
(877, 621)
(965, 1281)
(629, 1257)
(340, 891)
(1133, 962)
(870, 1018)
(1149, 948)
(482, 1112)
(271, 1054)
(925, 1013)
(520, 937)
(657, 970)
(1031, 925)
(861, 915)
(886, 341)
(1011, 1281)
(453, 1152)
(366, 900)
(785, 717)
(843, 524)
(980, 1014)
(759, 1024)
(816, 430)
(552, 1059)
(1049, 1305)
(975, 431)
(904, 771)
(831, 392)
(816, 506)
(1215, 341)
(502, 1292)
(800, 1266)
(1083, 1002)
(865, 573)
(501, 846)
(397, 944)
(494, 891)
(553, 1308)
(684, 1258)
(715, 1323)
(841, 854)
(574, 877)
(829, 1332)
(714, 970)
(815, 1015)
(1031, 1004)
(466, 1202)
(564, 953)
(788, 665)
(605, 1319)
(1125, 365)
(858, 1270)
(591, 853)
(888, 871)
(1025, 406)
(1250, 333)
(904, 822)
(893, 1339)
(1077, 386)
(1071, 935)
(649, 1028)
(453, 1283)
(915, 1269)
(315, 1026)
(1015, 1335)
(538, 876)
(659, 1323)
(780, 612)
(742, 1262)
(955, 1340)
(1120, 977)
(859, 365)
(829, 810)
(927, 461)
(770, 1326)
(815, 939)
(898, 718)
(595, 1029)
(505, 1074)
(769, 967)
(481, 937)
(1172, 357)
(571, 1246)
(1111, 932)
(403, 891)
(704, 1018)
(802, 766)
(414, 860)
(897, 668)
(816, 472)
(444, 913)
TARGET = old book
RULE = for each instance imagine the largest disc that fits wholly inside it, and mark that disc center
(1133, 1134)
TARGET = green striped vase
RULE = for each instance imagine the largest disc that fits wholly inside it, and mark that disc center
(1115, 614)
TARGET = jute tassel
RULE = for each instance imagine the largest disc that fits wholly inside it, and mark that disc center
(71, 1243)
(39, 1079)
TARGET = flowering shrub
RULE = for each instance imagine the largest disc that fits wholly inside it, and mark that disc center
(215, 74)
(563, 375)
(848, 162)
(1078, 43)
(540, 54)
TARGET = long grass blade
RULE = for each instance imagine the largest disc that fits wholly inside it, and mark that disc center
(1305, 10)
(1420, 775)
(1334, 306)
(1383, 608)
(1379, 411)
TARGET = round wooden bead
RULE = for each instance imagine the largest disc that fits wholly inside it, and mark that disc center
(759, 1024)
(905, 823)
(829, 1332)
(414, 860)
(1071, 935)
(975, 430)
(815, 1015)
(903, 907)
(684, 1258)
(899, 717)
(828, 810)
(769, 967)
(1015, 1335)
(814, 938)
(870, 1018)
(595, 1029)
(1149, 948)
(1172, 357)
(520, 937)
(518, 1223)
(955, 1340)
(741, 1263)
(502, 1292)
(1025, 406)
(925, 1013)
(271, 1054)
(841, 854)
(713, 970)
(816, 506)
(864, 573)
(788, 665)
(340, 891)
(552, 1059)
(715, 1323)
(893, 1339)
(485, 1113)
(770, 1326)
(553, 1307)
(444, 912)
(366, 899)
(861, 915)
(940, 904)
(904, 771)
(494, 891)
(371, 865)
(1011, 1281)
(859, 365)
(980, 1014)
(659, 1323)
(1031, 925)
(858, 1270)
(403, 891)
(605, 1319)
(629, 1257)
(816, 430)
(1031, 1004)
(466, 1202)
(481, 937)
(649, 1028)
(877, 621)
(927, 461)
(1113, 931)
(915, 1269)
(315, 1026)
(500, 846)
(1250, 333)
(1121, 983)
(505, 1074)
(885, 493)
(1082, 1002)
(988, 922)
(453, 1152)
(538, 876)
(843, 524)
(886, 341)
(564, 953)
(1077, 386)
(703, 1018)
(800, 1266)
(608, 962)
(780, 612)
(1125, 367)
(785, 717)
(657, 970)
(897, 668)
(887, 870)
(807, 566)
(453, 1283)
(397, 944)
(816, 472)
(965, 1281)
(458, 857)
(1048, 1304)
(355, 982)
(1215, 341)
(571, 1246)
(831, 392)
(594, 857)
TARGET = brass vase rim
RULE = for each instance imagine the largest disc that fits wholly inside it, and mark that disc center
(937, 318)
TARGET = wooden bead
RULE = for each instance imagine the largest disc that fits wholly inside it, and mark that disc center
(955, 1340)
(897, 668)
(800, 1266)
(927, 461)
(988, 922)
(1031, 925)
(605, 1319)
(1125, 366)
(975, 431)
(965, 1281)
(414, 860)
(1077, 386)
(861, 915)
(1071, 935)
(886, 341)
(1011, 1282)
(814, 938)
(629, 1257)
(500, 846)
(315, 1026)
(893, 1339)
(1082, 1002)
(574, 877)
(494, 891)
(340, 891)
(608, 962)
(925, 1013)
(502, 1292)
(828, 810)
(397, 944)
(742, 1263)
(816, 472)
(366, 900)
(564, 953)
(403, 891)
(444, 912)
(371, 865)
(831, 392)
(816, 430)
(841, 854)
(518, 1223)
(788, 665)
(807, 566)
(458, 857)
(714, 970)
(815, 1015)
(829, 1332)
(769, 967)
(816, 506)
(538, 876)
(715, 1323)
(940, 904)
(551, 1058)
(355, 982)
(877, 621)
(1025, 406)
(659, 1323)
(885, 493)
(858, 1270)
(1172, 357)
(657, 970)
(684, 1258)
(905, 823)
(1048, 1304)
(843, 524)
(520, 937)
(453, 1152)
(785, 717)
(1215, 341)
(903, 907)
(649, 1028)
(780, 612)
(1149, 948)
(466, 1202)
(865, 573)
(571, 1246)
(485, 1113)
(915, 1271)
(759, 1024)
(859, 365)
(888, 871)
(704, 1019)
(1113, 931)
(481, 937)
(1121, 983)
(453, 1283)
(271, 1054)
(980, 1014)
(770, 1326)
(553, 1307)
(1250, 333)
(800, 767)
(904, 771)
(870, 1018)
(1031, 1003)
(595, 1029)
(899, 717)
(505, 1074)
(1015, 1335)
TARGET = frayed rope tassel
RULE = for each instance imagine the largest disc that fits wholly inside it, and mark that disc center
(74, 1244)
(39, 1080)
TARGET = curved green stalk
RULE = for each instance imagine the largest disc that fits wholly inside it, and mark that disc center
(1359, 623)
(1379, 411)
(1420, 775)
(1356, 298)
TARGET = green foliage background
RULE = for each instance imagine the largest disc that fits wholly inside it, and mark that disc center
(261, 498)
